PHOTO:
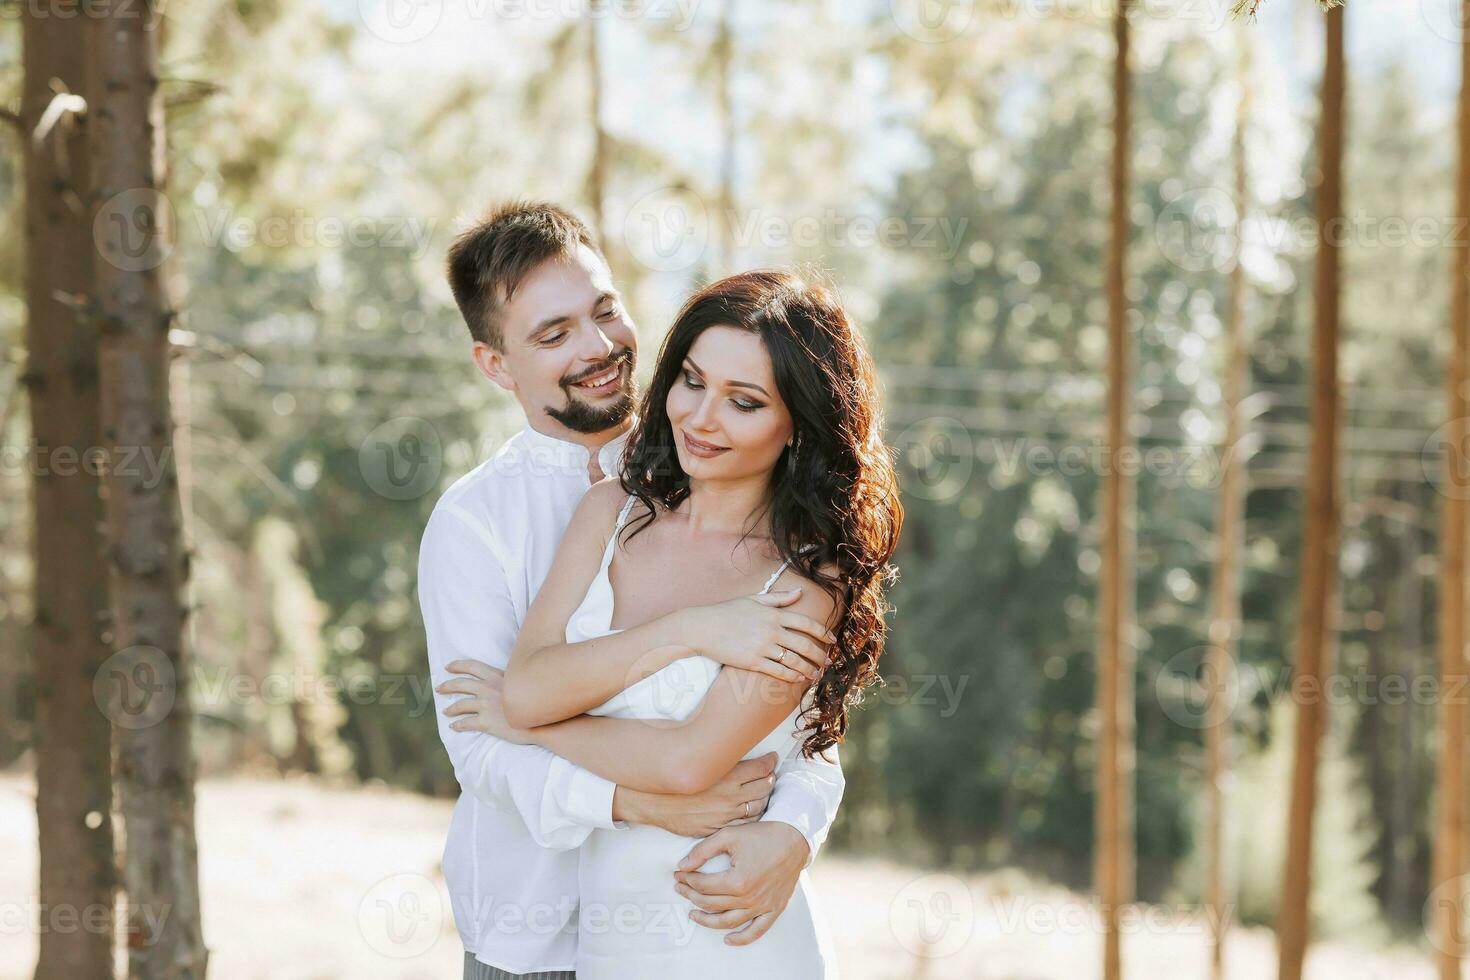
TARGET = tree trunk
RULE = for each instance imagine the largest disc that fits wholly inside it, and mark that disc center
(724, 53)
(1446, 908)
(146, 555)
(1319, 539)
(1225, 583)
(1113, 870)
(597, 169)
(72, 737)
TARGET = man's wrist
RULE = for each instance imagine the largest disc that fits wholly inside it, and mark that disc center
(627, 805)
(800, 846)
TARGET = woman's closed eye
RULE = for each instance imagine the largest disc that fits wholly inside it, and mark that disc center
(743, 404)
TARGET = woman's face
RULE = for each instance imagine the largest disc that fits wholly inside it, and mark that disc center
(729, 421)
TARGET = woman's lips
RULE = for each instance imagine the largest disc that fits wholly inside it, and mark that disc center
(703, 450)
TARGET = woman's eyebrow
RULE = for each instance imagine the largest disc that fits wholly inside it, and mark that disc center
(732, 384)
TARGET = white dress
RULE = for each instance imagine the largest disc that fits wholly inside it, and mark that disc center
(632, 924)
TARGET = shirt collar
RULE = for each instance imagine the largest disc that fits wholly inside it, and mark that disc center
(574, 455)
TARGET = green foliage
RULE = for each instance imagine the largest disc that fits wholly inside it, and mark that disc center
(986, 315)
(1342, 874)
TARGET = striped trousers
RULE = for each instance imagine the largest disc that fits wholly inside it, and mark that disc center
(475, 970)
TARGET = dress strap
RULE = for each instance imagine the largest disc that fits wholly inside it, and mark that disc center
(623, 514)
(784, 565)
(612, 541)
(775, 575)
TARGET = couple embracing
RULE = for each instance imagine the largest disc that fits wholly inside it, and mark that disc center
(648, 616)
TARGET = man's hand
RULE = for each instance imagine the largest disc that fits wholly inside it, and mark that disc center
(738, 798)
(766, 859)
(484, 708)
(755, 633)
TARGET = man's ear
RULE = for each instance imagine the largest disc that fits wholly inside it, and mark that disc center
(491, 363)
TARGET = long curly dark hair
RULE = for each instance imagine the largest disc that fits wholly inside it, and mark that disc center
(833, 500)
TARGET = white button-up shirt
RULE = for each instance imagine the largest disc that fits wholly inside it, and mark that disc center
(510, 862)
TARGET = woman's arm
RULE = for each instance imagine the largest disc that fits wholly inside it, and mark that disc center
(661, 756)
(549, 679)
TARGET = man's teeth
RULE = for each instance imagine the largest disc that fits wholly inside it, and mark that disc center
(600, 380)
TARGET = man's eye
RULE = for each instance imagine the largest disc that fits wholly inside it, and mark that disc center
(554, 338)
(609, 314)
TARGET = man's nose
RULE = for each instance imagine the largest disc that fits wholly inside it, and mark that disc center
(597, 346)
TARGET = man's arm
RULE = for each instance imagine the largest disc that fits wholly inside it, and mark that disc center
(807, 795)
(734, 801)
(468, 614)
(769, 864)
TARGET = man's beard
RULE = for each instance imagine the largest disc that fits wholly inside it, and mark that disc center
(588, 419)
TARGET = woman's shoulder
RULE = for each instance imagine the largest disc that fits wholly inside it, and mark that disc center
(816, 600)
(605, 496)
(599, 507)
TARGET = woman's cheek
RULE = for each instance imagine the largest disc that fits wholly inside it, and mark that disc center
(752, 433)
(676, 406)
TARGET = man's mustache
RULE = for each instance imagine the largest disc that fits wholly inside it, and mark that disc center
(626, 354)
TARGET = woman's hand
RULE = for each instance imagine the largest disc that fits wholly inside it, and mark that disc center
(484, 708)
(755, 633)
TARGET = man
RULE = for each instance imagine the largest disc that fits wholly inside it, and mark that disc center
(549, 327)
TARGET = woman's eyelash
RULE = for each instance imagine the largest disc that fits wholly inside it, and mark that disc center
(744, 406)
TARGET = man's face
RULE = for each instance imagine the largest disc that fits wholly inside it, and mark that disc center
(570, 349)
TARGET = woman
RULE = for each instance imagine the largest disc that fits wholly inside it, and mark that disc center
(756, 461)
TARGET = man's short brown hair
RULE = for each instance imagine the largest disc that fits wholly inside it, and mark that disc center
(489, 260)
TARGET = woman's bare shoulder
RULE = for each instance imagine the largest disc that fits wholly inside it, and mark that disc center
(816, 600)
(605, 495)
(598, 509)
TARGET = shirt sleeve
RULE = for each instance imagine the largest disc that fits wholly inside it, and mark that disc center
(468, 615)
(806, 796)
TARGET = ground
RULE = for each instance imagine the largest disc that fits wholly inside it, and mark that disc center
(302, 881)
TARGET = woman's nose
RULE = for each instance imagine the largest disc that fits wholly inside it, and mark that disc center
(703, 414)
